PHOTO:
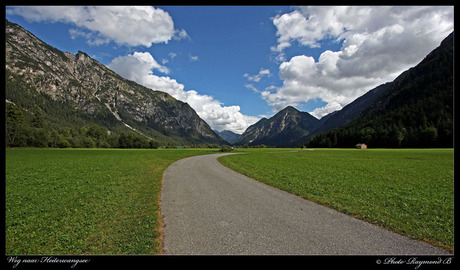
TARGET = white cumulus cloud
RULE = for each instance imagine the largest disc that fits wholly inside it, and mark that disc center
(378, 43)
(125, 25)
(258, 76)
(140, 67)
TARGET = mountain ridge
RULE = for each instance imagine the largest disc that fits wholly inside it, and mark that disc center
(416, 110)
(228, 135)
(283, 129)
(347, 113)
(378, 99)
(91, 89)
(75, 91)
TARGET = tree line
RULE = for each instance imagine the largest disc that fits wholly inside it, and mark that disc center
(28, 128)
(24, 129)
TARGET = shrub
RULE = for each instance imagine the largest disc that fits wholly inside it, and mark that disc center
(226, 148)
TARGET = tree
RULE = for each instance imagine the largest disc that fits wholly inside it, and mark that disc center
(429, 136)
(153, 144)
(125, 140)
(15, 119)
(367, 134)
(37, 120)
(88, 142)
(97, 134)
(54, 138)
(39, 138)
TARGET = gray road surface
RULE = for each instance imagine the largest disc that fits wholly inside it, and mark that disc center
(210, 209)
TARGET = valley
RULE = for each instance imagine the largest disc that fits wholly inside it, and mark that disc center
(415, 110)
(54, 98)
(87, 151)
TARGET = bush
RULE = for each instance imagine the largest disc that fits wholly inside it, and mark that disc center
(226, 149)
(63, 143)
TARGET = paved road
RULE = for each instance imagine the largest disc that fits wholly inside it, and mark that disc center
(210, 209)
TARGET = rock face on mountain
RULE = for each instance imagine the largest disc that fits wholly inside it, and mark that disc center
(284, 129)
(98, 93)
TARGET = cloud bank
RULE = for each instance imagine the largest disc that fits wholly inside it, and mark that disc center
(140, 67)
(124, 25)
(378, 43)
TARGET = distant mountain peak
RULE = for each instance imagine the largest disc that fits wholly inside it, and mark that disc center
(283, 129)
(290, 108)
(227, 135)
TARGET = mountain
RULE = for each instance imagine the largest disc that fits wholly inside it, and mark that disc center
(283, 129)
(227, 135)
(415, 110)
(326, 123)
(347, 113)
(76, 91)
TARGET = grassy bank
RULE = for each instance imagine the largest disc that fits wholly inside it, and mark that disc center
(410, 191)
(85, 201)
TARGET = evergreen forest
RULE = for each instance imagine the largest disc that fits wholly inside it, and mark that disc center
(415, 111)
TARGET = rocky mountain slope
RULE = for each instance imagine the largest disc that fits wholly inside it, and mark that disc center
(95, 93)
(283, 129)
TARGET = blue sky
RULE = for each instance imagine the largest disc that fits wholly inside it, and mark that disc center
(236, 64)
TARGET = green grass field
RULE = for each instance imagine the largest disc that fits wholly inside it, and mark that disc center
(85, 201)
(106, 201)
(409, 191)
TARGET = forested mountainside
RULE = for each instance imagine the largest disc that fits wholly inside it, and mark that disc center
(416, 110)
(59, 99)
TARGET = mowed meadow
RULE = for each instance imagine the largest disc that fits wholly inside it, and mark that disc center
(107, 201)
(409, 191)
(85, 201)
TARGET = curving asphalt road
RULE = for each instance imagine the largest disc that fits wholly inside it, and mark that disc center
(210, 209)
